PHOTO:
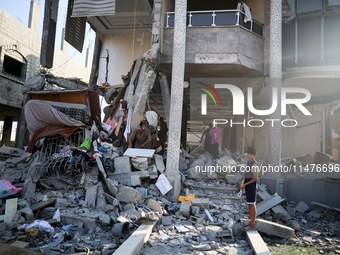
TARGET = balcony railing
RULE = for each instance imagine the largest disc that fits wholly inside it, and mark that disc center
(217, 18)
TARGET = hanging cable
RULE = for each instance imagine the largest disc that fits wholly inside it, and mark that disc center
(134, 30)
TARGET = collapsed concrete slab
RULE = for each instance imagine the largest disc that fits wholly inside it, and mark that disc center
(257, 244)
(268, 204)
(271, 228)
(320, 157)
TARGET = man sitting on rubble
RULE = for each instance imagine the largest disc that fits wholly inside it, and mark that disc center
(249, 185)
(140, 138)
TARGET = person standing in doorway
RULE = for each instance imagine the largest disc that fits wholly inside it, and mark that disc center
(215, 134)
(207, 139)
(250, 179)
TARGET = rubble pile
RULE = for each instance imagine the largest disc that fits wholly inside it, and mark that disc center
(97, 209)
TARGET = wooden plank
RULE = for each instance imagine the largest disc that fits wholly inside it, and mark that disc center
(43, 204)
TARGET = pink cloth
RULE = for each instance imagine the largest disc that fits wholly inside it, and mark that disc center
(215, 134)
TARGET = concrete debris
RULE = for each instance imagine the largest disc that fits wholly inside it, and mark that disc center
(302, 207)
(320, 157)
(108, 198)
(129, 195)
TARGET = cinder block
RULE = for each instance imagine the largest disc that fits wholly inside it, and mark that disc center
(122, 165)
(185, 209)
(202, 203)
(195, 209)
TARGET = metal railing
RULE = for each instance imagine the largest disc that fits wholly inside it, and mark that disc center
(217, 18)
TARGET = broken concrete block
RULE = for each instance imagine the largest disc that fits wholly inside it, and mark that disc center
(167, 220)
(61, 203)
(131, 214)
(27, 213)
(268, 204)
(135, 180)
(101, 201)
(315, 214)
(201, 247)
(104, 219)
(89, 223)
(291, 211)
(320, 157)
(159, 163)
(140, 163)
(129, 195)
(211, 232)
(185, 209)
(128, 207)
(202, 203)
(195, 209)
(302, 207)
(295, 225)
(306, 159)
(272, 228)
(122, 165)
(91, 196)
(143, 191)
(154, 205)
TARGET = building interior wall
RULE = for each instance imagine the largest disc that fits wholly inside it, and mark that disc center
(122, 53)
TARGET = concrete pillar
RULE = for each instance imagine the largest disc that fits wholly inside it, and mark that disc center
(6, 135)
(275, 78)
(165, 97)
(184, 123)
(176, 103)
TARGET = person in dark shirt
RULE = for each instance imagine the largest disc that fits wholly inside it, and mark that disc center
(250, 179)
(207, 139)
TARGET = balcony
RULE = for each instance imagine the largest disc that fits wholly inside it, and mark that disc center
(217, 18)
(218, 37)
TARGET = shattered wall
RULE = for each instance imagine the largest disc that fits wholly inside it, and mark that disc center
(120, 54)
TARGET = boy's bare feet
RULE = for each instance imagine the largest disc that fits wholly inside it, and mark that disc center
(252, 225)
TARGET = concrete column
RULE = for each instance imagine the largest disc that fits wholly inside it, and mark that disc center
(6, 135)
(165, 97)
(184, 123)
(176, 103)
(275, 78)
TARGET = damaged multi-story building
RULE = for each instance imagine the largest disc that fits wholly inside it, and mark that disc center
(263, 45)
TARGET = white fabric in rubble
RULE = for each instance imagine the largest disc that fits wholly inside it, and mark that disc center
(41, 224)
(151, 117)
(39, 114)
(128, 121)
